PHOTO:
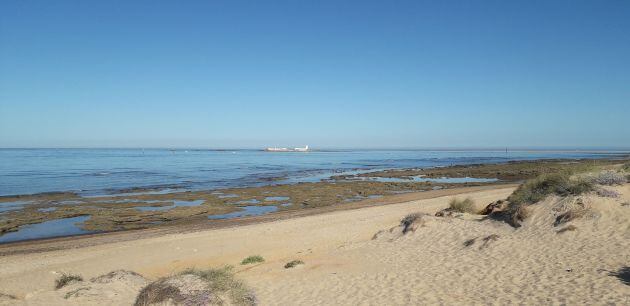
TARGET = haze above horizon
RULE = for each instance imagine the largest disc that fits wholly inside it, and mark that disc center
(330, 74)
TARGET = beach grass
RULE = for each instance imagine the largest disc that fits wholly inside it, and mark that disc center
(293, 263)
(466, 205)
(180, 288)
(562, 183)
(66, 279)
(252, 259)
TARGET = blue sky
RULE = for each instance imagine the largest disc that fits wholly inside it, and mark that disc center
(326, 73)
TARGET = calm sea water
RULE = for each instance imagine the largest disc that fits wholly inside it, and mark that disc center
(101, 171)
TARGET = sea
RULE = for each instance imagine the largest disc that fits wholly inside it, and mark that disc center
(107, 171)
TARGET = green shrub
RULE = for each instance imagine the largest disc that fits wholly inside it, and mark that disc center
(538, 189)
(293, 263)
(464, 206)
(252, 259)
(66, 279)
(626, 166)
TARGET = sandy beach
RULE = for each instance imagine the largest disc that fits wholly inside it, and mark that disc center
(444, 261)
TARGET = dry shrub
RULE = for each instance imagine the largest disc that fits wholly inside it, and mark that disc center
(197, 287)
(463, 206)
(75, 292)
(66, 279)
(537, 189)
(569, 215)
(606, 193)
(470, 242)
(610, 178)
(116, 275)
(293, 263)
(410, 222)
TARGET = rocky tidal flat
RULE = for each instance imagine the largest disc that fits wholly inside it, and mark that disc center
(143, 208)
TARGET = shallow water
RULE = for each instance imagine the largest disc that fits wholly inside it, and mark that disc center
(176, 203)
(47, 209)
(451, 180)
(268, 199)
(52, 228)
(14, 205)
(247, 211)
(95, 172)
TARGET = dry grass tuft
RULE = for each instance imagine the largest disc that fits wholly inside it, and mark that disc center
(535, 190)
(197, 287)
(463, 206)
(538, 189)
(293, 263)
(66, 279)
(488, 239)
(252, 259)
(114, 275)
(410, 222)
(75, 292)
(470, 242)
(567, 229)
(569, 215)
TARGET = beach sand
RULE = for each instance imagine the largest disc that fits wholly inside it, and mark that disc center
(345, 264)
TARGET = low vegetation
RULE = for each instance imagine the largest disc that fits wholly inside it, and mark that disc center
(568, 216)
(293, 263)
(610, 178)
(563, 184)
(75, 292)
(410, 221)
(66, 279)
(197, 287)
(470, 242)
(626, 167)
(488, 239)
(466, 205)
(252, 259)
(607, 193)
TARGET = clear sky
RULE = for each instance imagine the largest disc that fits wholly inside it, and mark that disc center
(324, 73)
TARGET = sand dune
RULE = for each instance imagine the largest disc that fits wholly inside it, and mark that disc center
(460, 260)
